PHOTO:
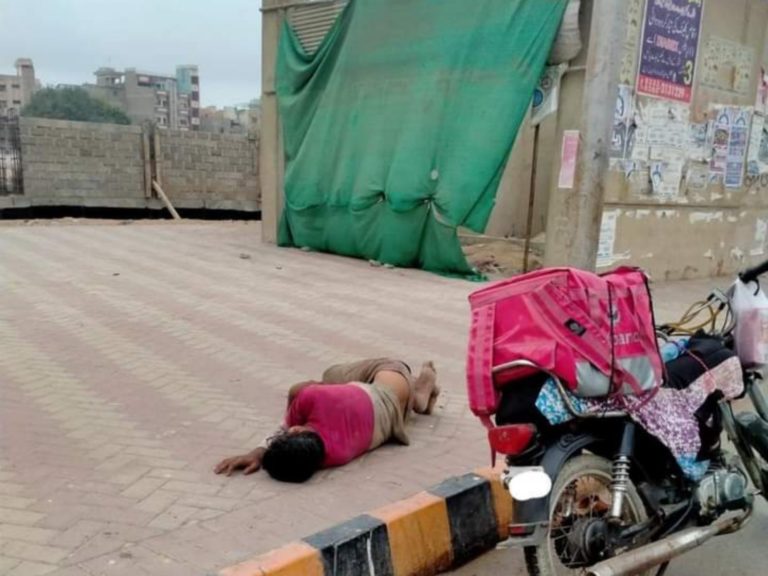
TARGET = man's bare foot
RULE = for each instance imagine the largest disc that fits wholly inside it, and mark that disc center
(426, 389)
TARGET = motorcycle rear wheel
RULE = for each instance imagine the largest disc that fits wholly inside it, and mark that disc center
(581, 490)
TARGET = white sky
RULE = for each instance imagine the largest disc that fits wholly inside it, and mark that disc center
(69, 39)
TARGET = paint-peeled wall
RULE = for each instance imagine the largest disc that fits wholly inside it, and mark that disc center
(687, 191)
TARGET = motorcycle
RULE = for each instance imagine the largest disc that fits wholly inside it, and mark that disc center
(599, 495)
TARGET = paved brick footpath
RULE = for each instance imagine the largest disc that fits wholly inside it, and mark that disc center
(133, 357)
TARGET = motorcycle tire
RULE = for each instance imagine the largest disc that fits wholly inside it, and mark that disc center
(543, 560)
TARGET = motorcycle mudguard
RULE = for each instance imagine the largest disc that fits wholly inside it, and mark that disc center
(536, 511)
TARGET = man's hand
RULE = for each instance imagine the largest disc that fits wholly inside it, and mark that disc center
(248, 463)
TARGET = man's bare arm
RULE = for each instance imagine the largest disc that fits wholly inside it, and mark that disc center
(248, 463)
(251, 462)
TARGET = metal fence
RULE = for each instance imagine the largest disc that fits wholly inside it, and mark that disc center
(11, 176)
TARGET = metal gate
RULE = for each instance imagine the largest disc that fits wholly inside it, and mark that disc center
(11, 176)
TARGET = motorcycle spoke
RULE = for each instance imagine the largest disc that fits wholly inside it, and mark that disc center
(585, 498)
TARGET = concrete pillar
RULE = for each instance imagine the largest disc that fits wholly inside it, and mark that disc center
(270, 145)
(573, 220)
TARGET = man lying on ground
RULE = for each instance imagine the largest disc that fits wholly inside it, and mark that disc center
(356, 408)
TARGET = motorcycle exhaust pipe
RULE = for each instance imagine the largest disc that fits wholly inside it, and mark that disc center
(655, 553)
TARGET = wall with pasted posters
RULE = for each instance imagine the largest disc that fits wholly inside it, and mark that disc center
(687, 191)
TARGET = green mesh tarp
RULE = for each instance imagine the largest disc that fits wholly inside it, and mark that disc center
(397, 130)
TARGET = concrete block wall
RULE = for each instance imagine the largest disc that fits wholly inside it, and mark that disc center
(81, 164)
(205, 170)
(705, 228)
(106, 165)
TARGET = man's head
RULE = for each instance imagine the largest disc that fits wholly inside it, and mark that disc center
(294, 455)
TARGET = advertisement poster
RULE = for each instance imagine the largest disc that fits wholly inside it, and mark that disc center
(697, 142)
(622, 124)
(568, 156)
(722, 135)
(755, 138)
(547, 93)
(737, 148)
(607, 238)
(666, 177)
(670, 43)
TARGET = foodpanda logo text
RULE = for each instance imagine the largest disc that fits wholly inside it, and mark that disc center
(626, 338)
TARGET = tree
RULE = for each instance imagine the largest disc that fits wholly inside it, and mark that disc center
(72, 103)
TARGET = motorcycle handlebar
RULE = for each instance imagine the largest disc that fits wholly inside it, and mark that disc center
(751, 274)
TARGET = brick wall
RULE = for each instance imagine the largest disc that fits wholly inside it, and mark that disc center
(81, 163)
(103, 165)
(200, 169)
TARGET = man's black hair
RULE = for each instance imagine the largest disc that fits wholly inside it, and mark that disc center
(294, 457)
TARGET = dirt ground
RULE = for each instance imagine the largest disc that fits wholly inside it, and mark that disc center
(501, 257)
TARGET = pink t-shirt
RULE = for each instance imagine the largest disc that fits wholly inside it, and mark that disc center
(341, 414)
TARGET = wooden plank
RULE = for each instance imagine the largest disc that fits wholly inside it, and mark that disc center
(165, 200)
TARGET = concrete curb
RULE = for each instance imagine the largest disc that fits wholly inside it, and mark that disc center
(445, 526)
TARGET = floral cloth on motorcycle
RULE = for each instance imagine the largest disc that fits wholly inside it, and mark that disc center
(669, 414)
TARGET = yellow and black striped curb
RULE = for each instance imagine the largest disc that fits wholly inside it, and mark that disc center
(445, 526)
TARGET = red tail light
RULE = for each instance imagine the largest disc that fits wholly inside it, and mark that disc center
(521, 529)
(512, 439)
